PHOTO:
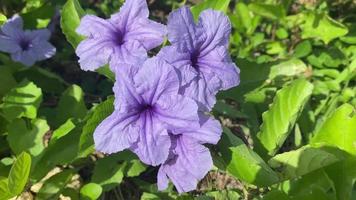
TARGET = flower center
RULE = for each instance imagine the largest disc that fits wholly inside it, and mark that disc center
(194, 60)
(118, 38)
(146, 107)
(25, 44)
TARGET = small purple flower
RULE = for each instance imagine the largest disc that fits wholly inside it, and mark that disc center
(200, 53)
(27, 46)
(124, 38)
(189, 161)
(147, 107)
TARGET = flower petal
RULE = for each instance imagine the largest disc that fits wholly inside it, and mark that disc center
(155, 78)
(218, 62)
(191, 163)
(95, 27)
(150, 34)
(116, 132)
(43, 50)
(129, 12)
(8, 44)
(27, 58)
(130, 52)
(217, 29)
(94, 53)
(13, 27)
(154, 142)
(177, 111)
(182, 30)
(203, 89)
(180, 61)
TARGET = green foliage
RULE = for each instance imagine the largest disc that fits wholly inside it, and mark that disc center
(19, 174)
(282, 114)
(71, 14)
(91, 191)
(220, 5)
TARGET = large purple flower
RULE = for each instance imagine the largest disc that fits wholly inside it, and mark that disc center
(27, 46)
(189, 161)
(147, 107)
(200, 53)
(124, 38)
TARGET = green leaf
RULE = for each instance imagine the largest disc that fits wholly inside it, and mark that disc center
(3, 19)
(323, 27)
(7, 81)
(282, 114)
(134, 168)
(268, 10)
(52, 187)
(27, 136)
(243, 163)
(338, 130)
(71, 105)
(70, 20)
(221, 5)
(91, 191)
(4, 189)
(291, 67)
(108, 172)
(19, 173)
(100, 112)
(22, 101)
(228, 110)
(303, 49)
(38, 18)
(63, 130)
(302, 161)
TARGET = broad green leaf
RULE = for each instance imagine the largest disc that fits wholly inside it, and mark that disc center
(323, 27)
(106, 71)
(221, 5)
(108, 172)
(291, 67)
(3, 19)
(63, 130)
(304, 160)
(224, 194)
(303, 49)
(268, 10)
(228, 110)
(71, 105)
(91, 191)
(70, 20)
(38, 18)
(243, 163)
(53, 186)
(4, 189)
(134, 168)
(7, 81)
(19, 173)
(22, 101)
(338, 130)
(100, 112)
(282, 114)
(27, 135)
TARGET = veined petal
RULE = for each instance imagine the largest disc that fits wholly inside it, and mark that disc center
(203, 89)
(27, 58)
(182, 31)
(129, 12)
(180, 61)
(154, 142)
(155, 78)
(177, 111)
(8, 44)
(94, 53)
(117, 132)
(217, 29)
(13, 27)
(150, 34)
(130, 52)
(93, 26)
(44, 50)
(218, 62)
(192, 161)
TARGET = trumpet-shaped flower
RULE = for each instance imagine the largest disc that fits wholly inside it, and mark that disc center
(147, 107)
(25, 46)
(200, 53)
(189, 161)
(124, 38)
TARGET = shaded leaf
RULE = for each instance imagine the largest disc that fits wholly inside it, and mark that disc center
(52, 187)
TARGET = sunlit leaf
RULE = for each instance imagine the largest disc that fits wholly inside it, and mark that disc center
(19, 173)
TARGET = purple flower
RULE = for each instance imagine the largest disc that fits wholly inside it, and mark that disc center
(189, 161)
(147, 107)
(27, 46)
(200, 53)
(124, 38)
